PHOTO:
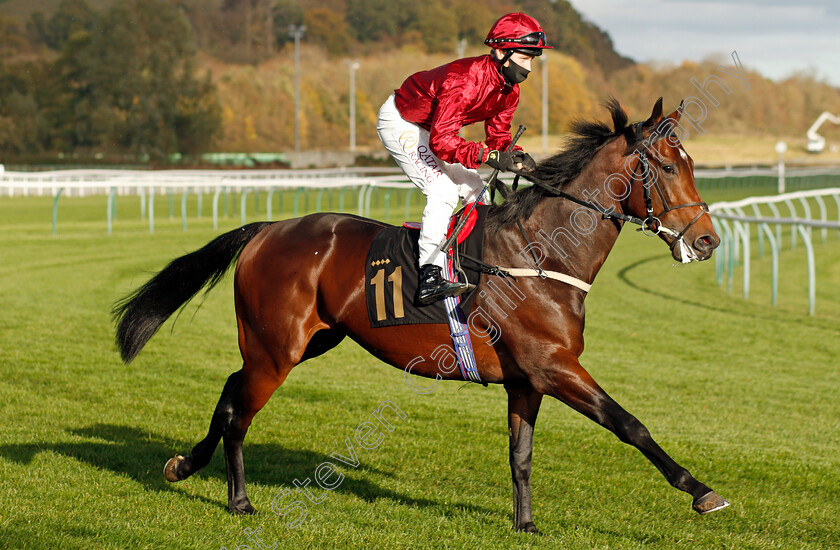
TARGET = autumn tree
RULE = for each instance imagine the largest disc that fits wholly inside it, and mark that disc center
(24, 127)
(329, 30)
(438, 29)
(374, 20)
(129, 85)
(72, 16)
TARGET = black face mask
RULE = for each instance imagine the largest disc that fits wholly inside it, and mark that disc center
(514, 73)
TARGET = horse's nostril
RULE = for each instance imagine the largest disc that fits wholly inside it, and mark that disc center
(704, 243)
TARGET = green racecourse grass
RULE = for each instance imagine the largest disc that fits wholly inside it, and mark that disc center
(743, 395)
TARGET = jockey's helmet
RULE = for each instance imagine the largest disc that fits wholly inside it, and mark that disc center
(518, 32)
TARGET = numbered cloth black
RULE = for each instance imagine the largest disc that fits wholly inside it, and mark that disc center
(391, 276)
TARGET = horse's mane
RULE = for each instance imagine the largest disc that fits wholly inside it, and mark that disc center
(587, 137)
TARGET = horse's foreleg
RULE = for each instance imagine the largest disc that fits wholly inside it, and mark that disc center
(575, 387)
(523, 406)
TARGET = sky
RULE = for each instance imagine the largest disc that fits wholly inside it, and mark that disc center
(774, 37)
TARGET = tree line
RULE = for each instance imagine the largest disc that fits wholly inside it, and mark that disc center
(124, 79)
(119, 81)
(145, 79)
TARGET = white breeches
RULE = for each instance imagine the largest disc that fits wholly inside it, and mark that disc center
(442, 183)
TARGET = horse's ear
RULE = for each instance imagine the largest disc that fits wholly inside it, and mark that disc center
(678, 113)
(655, 115)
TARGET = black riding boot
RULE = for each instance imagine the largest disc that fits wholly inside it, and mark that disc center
(434, 287)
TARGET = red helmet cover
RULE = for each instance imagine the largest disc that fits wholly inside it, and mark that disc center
(516, 26)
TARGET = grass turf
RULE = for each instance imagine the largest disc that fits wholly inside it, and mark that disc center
(742, 394)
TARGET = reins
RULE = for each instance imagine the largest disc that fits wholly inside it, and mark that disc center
(651, 225)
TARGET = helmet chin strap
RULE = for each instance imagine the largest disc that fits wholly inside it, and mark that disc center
(505, 57)
(502, 62)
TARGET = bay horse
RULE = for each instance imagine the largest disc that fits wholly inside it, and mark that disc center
(299, 290)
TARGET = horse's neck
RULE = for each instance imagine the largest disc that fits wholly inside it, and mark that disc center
(578, 239)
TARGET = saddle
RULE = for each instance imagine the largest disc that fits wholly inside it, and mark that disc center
(391, 272)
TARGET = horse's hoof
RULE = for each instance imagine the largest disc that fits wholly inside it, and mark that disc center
(710, 502)
(242, 509)
(170, 470)
(529, 528)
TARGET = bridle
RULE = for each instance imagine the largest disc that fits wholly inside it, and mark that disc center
(651, 225)
(652, 221)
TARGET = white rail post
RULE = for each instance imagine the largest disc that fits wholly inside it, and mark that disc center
(781, 147)
(812, 277)
(184, 208)
(151, 209)
(774, 250)
(216, 195)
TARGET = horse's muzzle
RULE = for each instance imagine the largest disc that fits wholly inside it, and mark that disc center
(704, 245)
(701, 249)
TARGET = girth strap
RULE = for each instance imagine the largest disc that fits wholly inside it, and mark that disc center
(514, 272)
(556, 275)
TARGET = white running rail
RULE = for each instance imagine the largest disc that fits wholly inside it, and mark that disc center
(733, 224)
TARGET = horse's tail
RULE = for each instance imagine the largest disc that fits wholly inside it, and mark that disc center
(140, 314)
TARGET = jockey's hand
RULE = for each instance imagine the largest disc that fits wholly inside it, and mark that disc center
(527, 161)
(513, 161)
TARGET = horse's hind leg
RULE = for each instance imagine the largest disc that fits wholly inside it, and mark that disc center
(182, 467)
(244, 394)
(255, 389)
(261, 375)
(575, 387)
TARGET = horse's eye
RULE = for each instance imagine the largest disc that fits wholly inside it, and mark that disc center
(668, 168)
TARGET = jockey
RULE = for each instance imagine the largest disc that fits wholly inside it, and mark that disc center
(420, 122)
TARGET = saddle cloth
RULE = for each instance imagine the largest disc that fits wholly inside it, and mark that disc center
(391, 275)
